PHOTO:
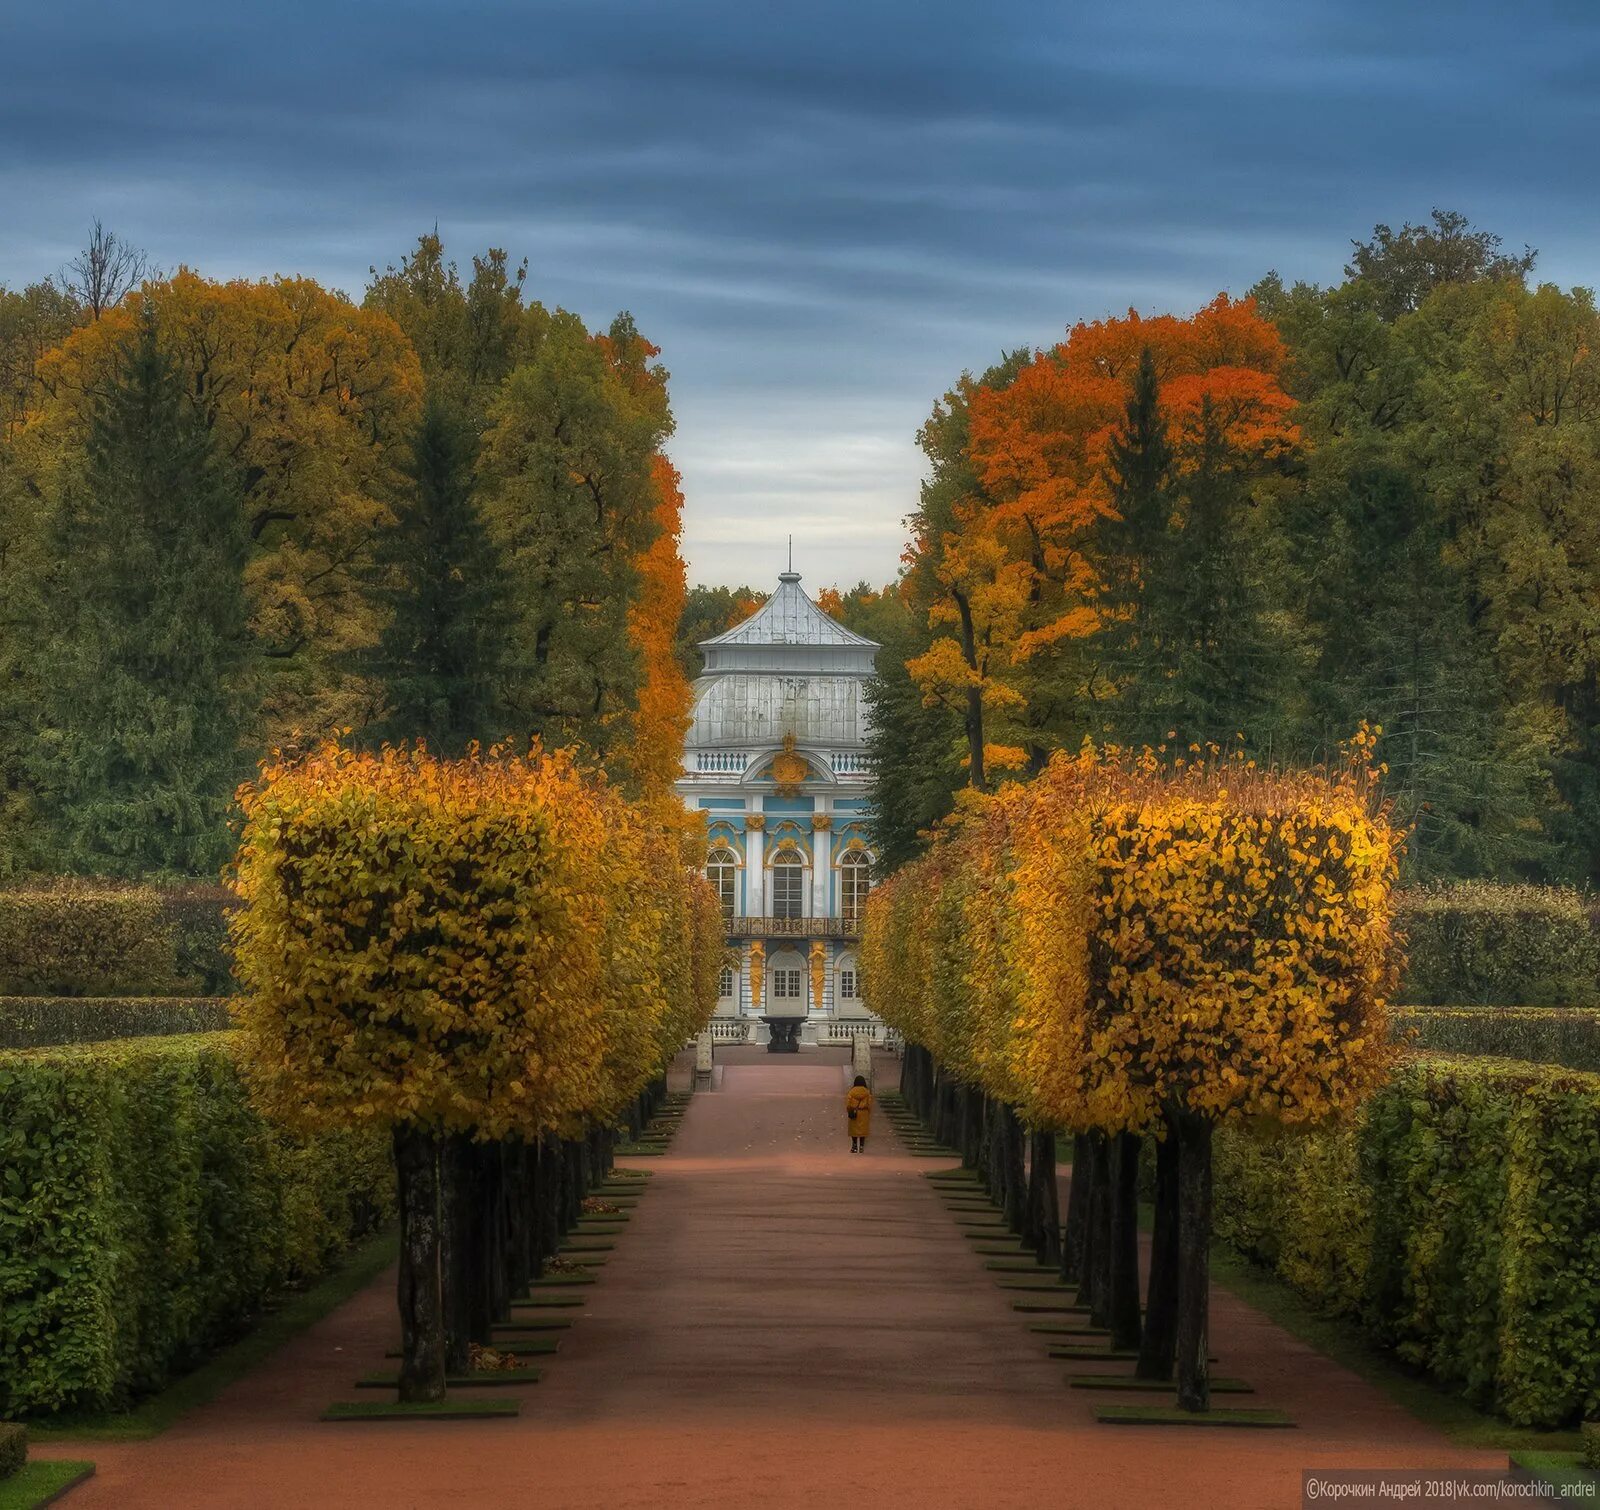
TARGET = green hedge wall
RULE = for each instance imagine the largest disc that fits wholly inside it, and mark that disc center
(1568, 1036)
(1479, 944)
(1458, 1222)
(146, 1212)
(28, 1022)
(83, 938)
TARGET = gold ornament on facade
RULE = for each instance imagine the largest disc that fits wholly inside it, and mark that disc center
(758, 955)
(819, 966)
(789, 770)
(822, 822)
(755, 821)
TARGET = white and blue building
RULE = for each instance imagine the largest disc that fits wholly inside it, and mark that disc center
(776, 760)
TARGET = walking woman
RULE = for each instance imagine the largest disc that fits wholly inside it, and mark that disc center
(858, 1113)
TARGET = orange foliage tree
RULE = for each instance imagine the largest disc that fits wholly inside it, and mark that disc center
(661, 718)
(1007, 558)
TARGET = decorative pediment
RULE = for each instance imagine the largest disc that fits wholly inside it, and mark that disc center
(789, 771)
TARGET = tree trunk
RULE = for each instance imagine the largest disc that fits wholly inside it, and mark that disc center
(972, 1141)
(1044, 1201)
(1194, 1260)
(458, 1263)
(1013, 1194)
(1077, 1226)
(548, 1220)
(1095, 1291)
(421, 1289)
(1159, 1347)
(1124, 1295)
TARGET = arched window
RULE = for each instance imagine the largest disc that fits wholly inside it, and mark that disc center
(788, 885)
(725, 984)
(855, 881)
(848, 986)
(722, 870)
(788, 983)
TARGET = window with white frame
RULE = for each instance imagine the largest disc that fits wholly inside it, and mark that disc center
(849, 982)
(855, 881)
(722, 870)
(788, 985)
(788, 885)
(725, 984)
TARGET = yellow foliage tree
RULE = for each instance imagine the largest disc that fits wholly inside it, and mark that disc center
(313, 400)
(1127, 948)
(496, 947)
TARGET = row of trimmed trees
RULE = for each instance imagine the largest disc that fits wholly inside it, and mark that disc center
(495, 957)
(1126, 950)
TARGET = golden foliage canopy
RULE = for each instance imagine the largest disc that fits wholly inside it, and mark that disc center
(494, 945)
(1117, 939)
(313, 400)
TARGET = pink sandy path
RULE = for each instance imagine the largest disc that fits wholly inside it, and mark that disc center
(782, 1324)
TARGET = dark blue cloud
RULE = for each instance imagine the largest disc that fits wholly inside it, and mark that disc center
(824, 211)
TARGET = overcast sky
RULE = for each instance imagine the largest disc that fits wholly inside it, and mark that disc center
(822, 212)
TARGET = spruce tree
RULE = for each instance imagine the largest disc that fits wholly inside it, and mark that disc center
(1137, 553)
(143, 670)
(438, 573)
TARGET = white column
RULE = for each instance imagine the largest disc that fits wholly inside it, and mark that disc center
(821, 842)
(755, 851)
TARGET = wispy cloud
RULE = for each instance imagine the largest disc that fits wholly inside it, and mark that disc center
(822, 212)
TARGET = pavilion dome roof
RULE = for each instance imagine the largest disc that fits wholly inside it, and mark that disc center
(788, 669)
(789, 633)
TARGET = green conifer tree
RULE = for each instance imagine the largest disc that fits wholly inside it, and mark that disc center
(143, 669)
(435, 568)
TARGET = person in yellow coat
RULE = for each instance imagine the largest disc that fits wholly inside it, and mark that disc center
(858, 1113)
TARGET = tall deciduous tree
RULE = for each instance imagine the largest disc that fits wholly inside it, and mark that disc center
(144, 671)
(572, 504)
(312, 400)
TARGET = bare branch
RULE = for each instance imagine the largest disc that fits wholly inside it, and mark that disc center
(104, 271)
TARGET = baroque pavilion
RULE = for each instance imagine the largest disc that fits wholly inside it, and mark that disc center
(776, 760)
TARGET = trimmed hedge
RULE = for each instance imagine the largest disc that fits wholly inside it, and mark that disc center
(1480, 944)
(28, 1022)
(93, 938)
(147, 1212)
(1568, 1036)
(1458, 1222)
(13, 1448)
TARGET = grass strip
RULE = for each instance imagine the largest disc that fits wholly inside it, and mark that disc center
(1563, 1473)
(475, 1379)
(296, 1313)
(1100, 1354)
(557, 1281)
(1131, 1385)
(437, 1410)
(42, 1482)
(530, 1346)
(1170, 1415)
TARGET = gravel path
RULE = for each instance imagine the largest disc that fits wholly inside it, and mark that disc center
(783, 1323)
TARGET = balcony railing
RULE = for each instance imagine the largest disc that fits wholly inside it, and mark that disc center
(792, 928)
